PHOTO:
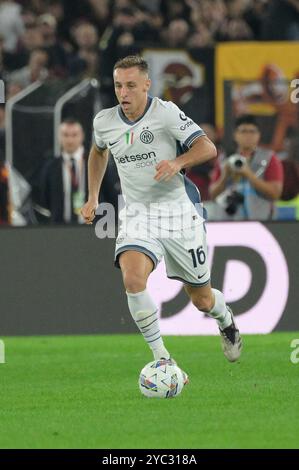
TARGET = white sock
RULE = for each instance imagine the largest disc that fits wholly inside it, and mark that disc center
(145, 314)
(219, 311)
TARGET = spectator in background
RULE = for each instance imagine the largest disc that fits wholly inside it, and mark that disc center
(247, 183)
(97, 12)
(11, 24)
(87, 66)
(32, 37)
(177, 33)
(173, 9)
(207, 13)
(202, 37)
(35, 70)
(84, 62)
(255, 15)
(236, 8)
(62, 187)
(63, 183)
(282, 21)
(234, 27)
(148, 26)
(85, 36)
(57, 55)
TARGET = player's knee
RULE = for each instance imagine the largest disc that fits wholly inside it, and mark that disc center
(204, 303)
(133, 282)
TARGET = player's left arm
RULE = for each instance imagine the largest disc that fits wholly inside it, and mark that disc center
(202, 149)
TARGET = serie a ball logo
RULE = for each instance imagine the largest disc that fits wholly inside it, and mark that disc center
(146, 137)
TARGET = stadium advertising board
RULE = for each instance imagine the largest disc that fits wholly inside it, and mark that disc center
(63, 281)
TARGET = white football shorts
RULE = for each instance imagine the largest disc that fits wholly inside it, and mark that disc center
(184, 252)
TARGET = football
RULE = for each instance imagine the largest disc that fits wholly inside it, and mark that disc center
(162, 379)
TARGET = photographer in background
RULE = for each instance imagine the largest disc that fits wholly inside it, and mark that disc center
(248, 182)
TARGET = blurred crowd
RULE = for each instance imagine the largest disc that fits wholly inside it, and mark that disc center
(41, 39)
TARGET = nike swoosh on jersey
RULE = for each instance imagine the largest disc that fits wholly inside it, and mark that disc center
(113, 143)
(199, 277)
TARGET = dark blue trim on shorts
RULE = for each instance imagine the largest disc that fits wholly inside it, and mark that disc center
(193, 284)
(139, 248)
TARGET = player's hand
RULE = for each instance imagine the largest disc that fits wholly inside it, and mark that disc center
(88, 211)
(166, 169)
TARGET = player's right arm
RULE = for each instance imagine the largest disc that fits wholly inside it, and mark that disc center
(97, 164)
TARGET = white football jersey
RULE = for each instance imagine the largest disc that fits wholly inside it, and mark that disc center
(162, 133)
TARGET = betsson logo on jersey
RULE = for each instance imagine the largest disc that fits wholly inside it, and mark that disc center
(142, 159)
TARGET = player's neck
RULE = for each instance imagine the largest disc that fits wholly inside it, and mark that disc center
(138, 112)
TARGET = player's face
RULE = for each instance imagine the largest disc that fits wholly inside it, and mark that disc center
(131, 87)
(247, 136)
(71, 137)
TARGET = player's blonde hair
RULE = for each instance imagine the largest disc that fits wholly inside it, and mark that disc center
(132, 61)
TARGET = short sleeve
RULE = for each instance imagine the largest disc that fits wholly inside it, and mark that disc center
(274, 171)
(180, 126)
(97, 137)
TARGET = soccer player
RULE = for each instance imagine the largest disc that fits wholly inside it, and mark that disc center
(144, 135)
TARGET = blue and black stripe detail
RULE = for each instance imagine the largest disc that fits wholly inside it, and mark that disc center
(138, 248)
(193, 284)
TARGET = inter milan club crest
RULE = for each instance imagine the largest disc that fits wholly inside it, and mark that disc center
(146, 136)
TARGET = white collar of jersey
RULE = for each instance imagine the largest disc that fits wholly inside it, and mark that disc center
(131, 123)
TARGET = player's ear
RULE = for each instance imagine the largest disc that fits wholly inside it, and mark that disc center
(148, 84)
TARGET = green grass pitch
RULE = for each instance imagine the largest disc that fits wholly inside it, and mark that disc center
(81, 392)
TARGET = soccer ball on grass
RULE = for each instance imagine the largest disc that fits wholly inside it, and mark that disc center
(161, 379)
